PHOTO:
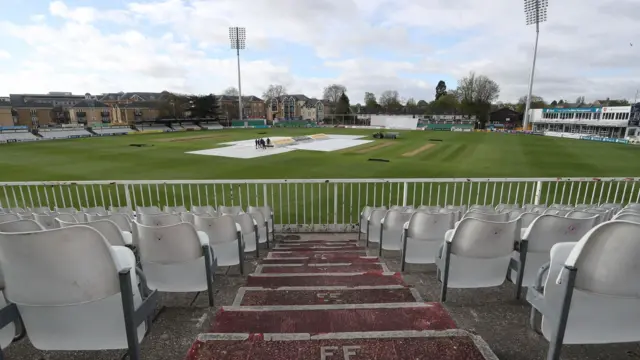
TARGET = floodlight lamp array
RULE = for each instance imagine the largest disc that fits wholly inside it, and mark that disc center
(238, 37)
(535, 11)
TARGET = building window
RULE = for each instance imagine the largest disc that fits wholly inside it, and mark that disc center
(32, 112)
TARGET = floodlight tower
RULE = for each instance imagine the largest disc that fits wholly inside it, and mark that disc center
(535, 12)
(238, 37)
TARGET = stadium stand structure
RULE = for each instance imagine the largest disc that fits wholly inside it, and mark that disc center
(111, 130)
(11, 134)
(63, 133)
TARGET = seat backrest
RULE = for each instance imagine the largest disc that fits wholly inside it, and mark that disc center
(203, 210)
(634, 206)
(148, 210)
(578, 214)
(159, 219)
(47, 221)
(219, 229)
(607, 260)
(245, 221)
(16, 210)
(27, 215)
(266, 211)
(8, 217)
(67, 218)
(628, 217)
(548, 230)
(122, 220)
(110, 230)
(20, 226)
(396, 218)
(527, 218)
(175, 209)
(482, 208)
(538, 210)
(168, 244)
(40, 210)
(504, 217)
(68, 210)
(58, 267)
(508, 207)
(396, 207)
(476, 238)
(229, 210)
(376, 216)
(514, 213)
(366, 211)
(426, 208)
(120, 210)
(556, 211)
(258, 217)
(430, 226)
(96, 210)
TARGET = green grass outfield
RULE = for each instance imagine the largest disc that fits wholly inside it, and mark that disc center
(458, 155)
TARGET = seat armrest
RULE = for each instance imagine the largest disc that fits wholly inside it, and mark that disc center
(203, 237)
(406, 226)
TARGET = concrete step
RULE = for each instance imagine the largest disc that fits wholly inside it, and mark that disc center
(332, 318)
(337, 258)
(322, 295)
(397, 345)
(314, 254)
(341, 267)
(365, 279)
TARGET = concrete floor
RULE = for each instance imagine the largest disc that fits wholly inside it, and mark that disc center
(493, 313)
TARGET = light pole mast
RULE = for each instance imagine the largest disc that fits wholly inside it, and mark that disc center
(238, 37)
(536, 12)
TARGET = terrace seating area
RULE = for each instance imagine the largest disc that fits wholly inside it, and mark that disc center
(16, 136)
(493, 266)
(112, 130)
(115, 251)
(576, 265)
(63, 133)
(215, 126)
(154, 128)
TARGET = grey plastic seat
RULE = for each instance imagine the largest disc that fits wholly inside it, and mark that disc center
(391, 230)
(65, 218)
(364, 216)
(423, 235)
(8, 217)
(526, 219)
(514, 213)
(396, 207)
(491, 216)
(249, 231)
(477, 254)
(628, 217)
(17, 210)
(109, 229)
(583, 214)
(158, 219)
(262, 226)
(225, 238)
(429, 208)
(537, 241)
(458, 210)
(121, 210)
(148, 210)
(591, 294)
(67, 210)
(47, 221)
(77, 307)
(20, 226)
(374, 225)
(230, 210)
(507, 207)
(40, 210)
(122, 220)
(175, 209)
(556, 212)
(176, 258)
(268, 215)
(633, 206)
(96, 210)
(483, 208)
(207, 210)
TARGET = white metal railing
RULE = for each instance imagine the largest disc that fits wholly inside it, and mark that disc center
(320, 204)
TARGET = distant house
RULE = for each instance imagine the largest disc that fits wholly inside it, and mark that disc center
(506, 118)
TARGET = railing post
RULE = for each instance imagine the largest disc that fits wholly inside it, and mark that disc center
(405, 193)
(335, 203)
(264, 190)
(127, 197)
(536, 200)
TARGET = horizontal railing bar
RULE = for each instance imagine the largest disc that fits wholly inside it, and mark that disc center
(313, 181)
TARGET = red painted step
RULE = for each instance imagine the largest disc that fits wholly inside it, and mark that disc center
(285, 247)
(455, 345)
(317, 242)
(321, 268)
(366, 279)
(353, 259)
(323, 296)
(418, 316)
(315, 254)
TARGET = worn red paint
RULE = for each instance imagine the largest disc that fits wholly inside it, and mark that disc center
(367, 279)
(325, 247)
(338, 258)
(317, 242)
(315, 254)
(440, 348)
(433, 317)
(322, 297)
(321, 269)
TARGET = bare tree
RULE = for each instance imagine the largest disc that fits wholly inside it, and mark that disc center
(333, 92)
(477, 89)
(231, 91)
(273, 91)
(389, 99)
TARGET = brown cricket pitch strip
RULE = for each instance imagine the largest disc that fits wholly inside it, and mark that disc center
(375, 147)
(418, 150)
(191, 138)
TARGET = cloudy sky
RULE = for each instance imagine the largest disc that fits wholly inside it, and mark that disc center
(587, 48)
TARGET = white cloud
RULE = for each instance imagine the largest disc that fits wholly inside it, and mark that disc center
(4, 55)
(367, 45)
